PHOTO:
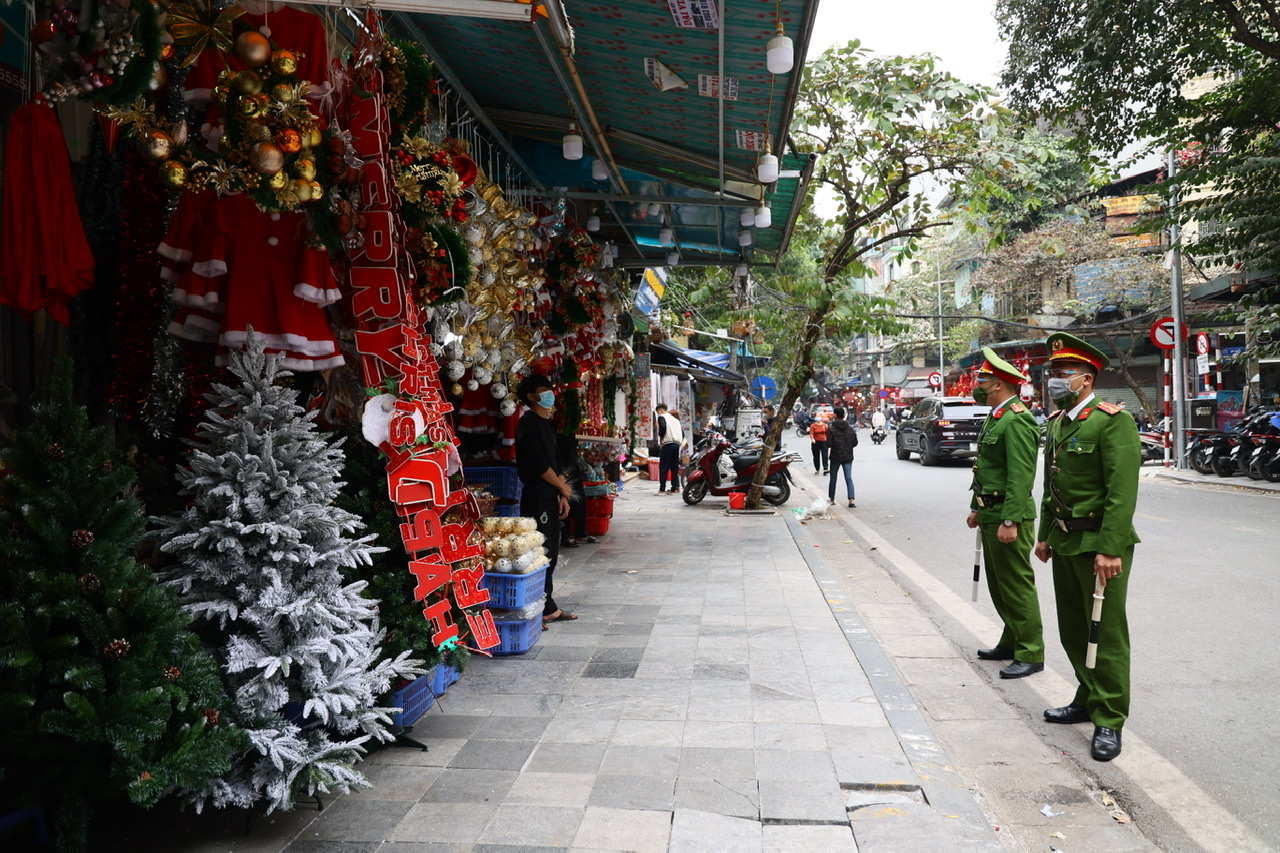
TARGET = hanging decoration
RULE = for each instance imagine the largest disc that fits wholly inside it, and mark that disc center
(101, 51)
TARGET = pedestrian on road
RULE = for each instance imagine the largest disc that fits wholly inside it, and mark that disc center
(545, 494)
(670, 440)
(878, 419)
(818, 434)
(1092, 460)
(842, 438)
(1003, 509)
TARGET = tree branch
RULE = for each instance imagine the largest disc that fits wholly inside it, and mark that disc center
(1242, 34)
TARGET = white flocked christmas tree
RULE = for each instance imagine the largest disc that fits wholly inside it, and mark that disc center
(260, 553)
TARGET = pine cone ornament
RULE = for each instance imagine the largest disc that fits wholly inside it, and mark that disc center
(55, 451)
(81, 538)
(89, 583)
(172, 673)
(116, 649)
(210, 717)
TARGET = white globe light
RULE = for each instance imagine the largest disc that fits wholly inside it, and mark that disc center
(599, 171)
(593, 223)
(780, 54)
(655, 209)
(744, 237)
(571, 145)
(741, 271)
(666, 237)
(747, 218)
(767, 168)
(764, 216)
(613, 250)
(673, 259)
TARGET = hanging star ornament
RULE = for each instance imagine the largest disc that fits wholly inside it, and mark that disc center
(202, 26)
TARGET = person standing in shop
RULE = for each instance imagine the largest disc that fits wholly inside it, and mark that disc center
(670, 440)
(545, 494)
(842, 438)
(818, 433)
(1003, 509)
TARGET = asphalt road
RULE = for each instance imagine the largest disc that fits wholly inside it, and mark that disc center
(1204, 610)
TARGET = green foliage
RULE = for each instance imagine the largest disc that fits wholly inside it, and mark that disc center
(103, 690)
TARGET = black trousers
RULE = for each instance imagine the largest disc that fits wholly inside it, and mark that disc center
(546, 514)
(575, 526)
(820, 456)
(669, 463)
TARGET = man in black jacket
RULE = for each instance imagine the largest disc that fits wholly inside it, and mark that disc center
(842, 438)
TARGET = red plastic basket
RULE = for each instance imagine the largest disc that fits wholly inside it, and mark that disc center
(600, 507)
(597, 526)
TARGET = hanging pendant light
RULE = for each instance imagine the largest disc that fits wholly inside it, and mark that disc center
(741, 271)
(767, 166)
(744, 237)
(673, 259)
(593, 222)
(613, 250)
(599, 171)
(571, 145)
(655, 209)
(780, 54)
(747, 218)
(666, 236)
(764, 215)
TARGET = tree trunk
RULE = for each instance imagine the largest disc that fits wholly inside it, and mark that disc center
(1124, 361)
(800, 375)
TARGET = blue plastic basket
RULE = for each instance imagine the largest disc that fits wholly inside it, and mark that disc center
(439, 679)
(507, 510)
(413, 699)
(502, 483)
(516, 638)
(511, 592)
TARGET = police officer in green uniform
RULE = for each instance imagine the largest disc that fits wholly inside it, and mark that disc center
(1005, 511)
(1092, 460)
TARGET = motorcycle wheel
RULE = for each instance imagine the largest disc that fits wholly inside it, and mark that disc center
(1272, 470)
(694, 492)
(1197, 459)
(903, 453)
(1223, 467)
(1257, 469)
(784, 491)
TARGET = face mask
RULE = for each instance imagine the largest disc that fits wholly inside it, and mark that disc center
(980, 394)
(1061, 392)
(547, 399)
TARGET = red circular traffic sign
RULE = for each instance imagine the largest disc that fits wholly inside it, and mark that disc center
(1202, 344)
(1162, 332)
(935, 380)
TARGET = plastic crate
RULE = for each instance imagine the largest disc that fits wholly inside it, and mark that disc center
(439, 679)
(413, 699)
(516, 638)
(503, 483)
(600, 507)
(511, 592)
(507, 510)
(597, 526)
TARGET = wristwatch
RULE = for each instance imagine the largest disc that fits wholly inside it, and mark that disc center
(1008, 523)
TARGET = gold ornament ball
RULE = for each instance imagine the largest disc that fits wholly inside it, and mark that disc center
(159, 79)
(305, 169)
(289, 140)
(221, 93)
(301, 190)
(456, 389)
(317, 191)
(284, 62)
(312, 138)
(156, 145)
(173, 174)
(282, 92)
(278, 180)
(252, 48)
(248, 107)
(247, 83)
(266, 159)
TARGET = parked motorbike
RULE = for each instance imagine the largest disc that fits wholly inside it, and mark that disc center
(721, 468)
(1229, 453)
(878, 435)
(1152, 446)
(1200, 448)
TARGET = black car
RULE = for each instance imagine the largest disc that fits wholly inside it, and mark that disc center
(941, 427)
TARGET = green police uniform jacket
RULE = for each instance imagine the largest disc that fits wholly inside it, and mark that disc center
(1091, 471)
(1006, 464)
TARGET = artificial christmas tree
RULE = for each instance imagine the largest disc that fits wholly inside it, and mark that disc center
(261, 555)
(104, 691)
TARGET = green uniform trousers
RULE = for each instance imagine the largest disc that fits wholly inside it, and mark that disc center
(1012, 583)
(1103, 690)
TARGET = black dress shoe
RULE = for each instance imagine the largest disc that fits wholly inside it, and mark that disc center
(1071, 713)
(1106, 743)
(1021, 669)
(995, 653)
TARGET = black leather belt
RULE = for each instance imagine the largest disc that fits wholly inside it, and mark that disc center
(985, 501)
(1068, 525)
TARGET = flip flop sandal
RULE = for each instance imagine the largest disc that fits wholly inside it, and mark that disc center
(563, 617)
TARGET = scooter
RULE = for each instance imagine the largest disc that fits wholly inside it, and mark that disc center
(719, 471)
(878, 435)
(1152, 446)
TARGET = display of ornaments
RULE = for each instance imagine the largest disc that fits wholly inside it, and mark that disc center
(513, 545)
(101, 51)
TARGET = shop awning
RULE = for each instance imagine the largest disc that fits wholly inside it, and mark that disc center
(525, 80)
(671, 358)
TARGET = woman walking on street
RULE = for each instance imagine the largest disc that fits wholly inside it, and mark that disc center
(818, 432)
(842, 438)
(670, 440)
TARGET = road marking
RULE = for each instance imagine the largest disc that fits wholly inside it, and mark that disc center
(1185, 802)
(1150, 517)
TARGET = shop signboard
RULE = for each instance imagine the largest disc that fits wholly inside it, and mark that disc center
(694, 14)
(649, 293)
(709, 87)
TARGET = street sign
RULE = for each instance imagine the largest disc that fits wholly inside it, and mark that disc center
(935, 380)
(764, 387)
(1162, 332)
(883, 393)
(1202, 344)
(1202, 365)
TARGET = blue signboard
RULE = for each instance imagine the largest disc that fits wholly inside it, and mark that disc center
(763, 387)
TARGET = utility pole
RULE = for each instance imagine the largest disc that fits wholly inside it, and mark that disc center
(1179, 323)
(937, 269)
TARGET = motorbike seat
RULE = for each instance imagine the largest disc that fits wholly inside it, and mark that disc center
(745, 461)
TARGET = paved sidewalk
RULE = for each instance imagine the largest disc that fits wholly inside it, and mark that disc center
(1195, 478)
(720, 691)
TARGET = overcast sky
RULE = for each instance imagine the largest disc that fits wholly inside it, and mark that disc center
(961, 33)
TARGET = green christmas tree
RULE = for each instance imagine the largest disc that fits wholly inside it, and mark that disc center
(263, 564)
(104, 691)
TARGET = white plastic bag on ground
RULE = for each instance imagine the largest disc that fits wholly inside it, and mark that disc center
(819, 506)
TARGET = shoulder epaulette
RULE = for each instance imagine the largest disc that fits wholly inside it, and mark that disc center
(998, 413)
(1018, 408)
(1056, 414)
(1110, 408)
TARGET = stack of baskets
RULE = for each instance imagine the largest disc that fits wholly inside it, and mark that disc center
(600, 497)
(503, 483)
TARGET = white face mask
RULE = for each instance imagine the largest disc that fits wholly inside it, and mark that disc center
(1061, 392)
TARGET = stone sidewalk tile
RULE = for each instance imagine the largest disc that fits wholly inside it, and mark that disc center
(807, 839)
(699, 831)
(550, 826)
(624, 829)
